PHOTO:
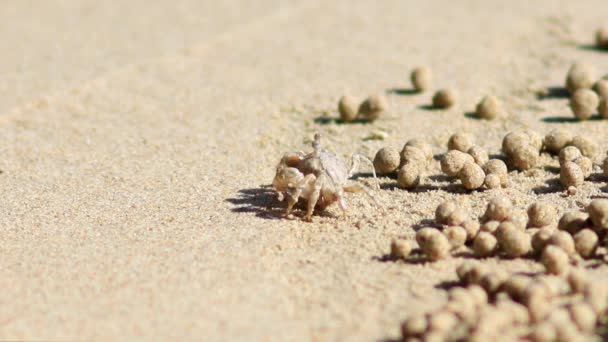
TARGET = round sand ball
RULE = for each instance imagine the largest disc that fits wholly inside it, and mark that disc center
(493, 281)
(603, 108)
(541, 239)
(534, 138)
(586, 146)
(583, 315)
(415, 325)
(569, 154)
(577, 279)
(445, 98)
(571, 175)
(489, 108)
(462, 271)
(490, 226)
(586, 242)
(479, 155)
(586, 166)
(471, 176)
(541, 214)
(513, 140)
(434, 244)
(387, 160)
(413, 155)
(347, 107)
(583, 103)
(524, 157)
(478, 295)
(492, 181)
(598, 212)
(400, 249)
(421, 78)
(516, 286)
(573, 221)
(373, 107)
(557, 139)
(443, 212)
(408, 176)
(485, 245)
(512, 241)
(460, 141)
(601, 38)
(601, 88)
(456, 235)
(472, 228)
(580, 76)
(555, 260)
(519, 219)
(498, 209)
(563, 240)
(453, 161)
(495, 166)
(473, 275)
(543, 332)
(422, 145)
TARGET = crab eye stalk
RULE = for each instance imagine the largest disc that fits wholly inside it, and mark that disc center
(316, 144)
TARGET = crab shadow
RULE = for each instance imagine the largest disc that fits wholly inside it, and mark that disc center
(590, 47)
(261, 201)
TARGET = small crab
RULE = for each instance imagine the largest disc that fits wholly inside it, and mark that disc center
(319, 177)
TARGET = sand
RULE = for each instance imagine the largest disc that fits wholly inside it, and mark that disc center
(140, 140)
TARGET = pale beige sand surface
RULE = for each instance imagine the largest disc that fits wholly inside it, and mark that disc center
(135, 162)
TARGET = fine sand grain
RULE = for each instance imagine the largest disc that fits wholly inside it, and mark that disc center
(139, 142)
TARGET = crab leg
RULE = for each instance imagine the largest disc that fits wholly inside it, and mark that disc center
(356, 162)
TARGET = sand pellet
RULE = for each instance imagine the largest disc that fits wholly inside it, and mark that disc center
(485, 245)
(433, 243)
(586, 242)
(347, 107)
(492, 181)
(541, 214)
(408, 176)
(387, 160)
(555, 260)
(541, 239)
(422, 145)
(584, 103)
(457, 236)
(512, 241)
(445, 98)
(471, 176)
(557, 139)
(603, 108)
(490, 108)
(573, 221)
(400, 249)
(580, 76)
(422, 78)
(413, 155)
(498, 209)
(472, 228)
(571, 175)
(601, 88)
(563, 240)
(586, 146)
(524, 157)
(585, 164)
(598, 213)
(460, 141)
(373, 107)
(569, 154)
(453, 161)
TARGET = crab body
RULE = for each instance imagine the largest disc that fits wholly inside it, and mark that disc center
(319, 177)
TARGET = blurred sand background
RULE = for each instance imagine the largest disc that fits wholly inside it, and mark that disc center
(139, 138)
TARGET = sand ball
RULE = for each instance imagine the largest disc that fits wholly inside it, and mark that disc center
(460, 141)
(585, 164)
(557, 139)
(479, 155)
(485, 245)
(422, 145)
(400, 249)
(580, 76)
(512, 241)
(445, 98)
(586, 242)
(601, 88)
(421, 78)
(347, 107)
(492, 181)
(541, 239)
(472, 228)
(571, 175)
(387, 160)
(555, 260)
(584, 103)
(541, 214)
(373, 107)
(457, 236)
(453, 161)
(408, 176)
(598, 212)
(413, 155)
(563, 240)
(587, 147)
(524, 157)
(471, 176)
(603, 108)
(498, 209)
(490, 108)
(573, 221)
(569, 154)
(434, 244)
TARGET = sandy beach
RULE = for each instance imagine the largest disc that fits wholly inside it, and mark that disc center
(140, 141)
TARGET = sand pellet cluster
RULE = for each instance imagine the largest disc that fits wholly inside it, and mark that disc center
(489, 304)
(588, 94)
(370, 109)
